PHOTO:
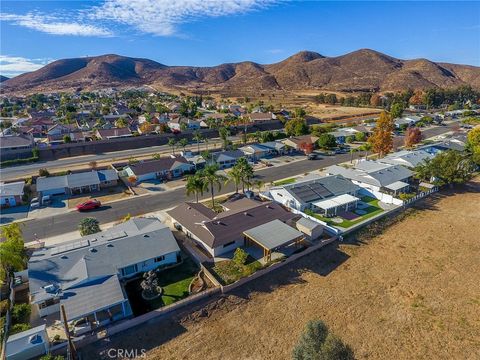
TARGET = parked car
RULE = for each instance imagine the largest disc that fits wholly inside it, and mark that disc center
(34, 204)
(46, 200)
(312, 156)
(89, 205)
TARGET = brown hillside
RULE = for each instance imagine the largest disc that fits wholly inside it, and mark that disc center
(362, 70)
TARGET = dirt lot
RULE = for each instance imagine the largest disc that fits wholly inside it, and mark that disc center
(411, 293)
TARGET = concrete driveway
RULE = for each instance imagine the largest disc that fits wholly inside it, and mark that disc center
(58, 206)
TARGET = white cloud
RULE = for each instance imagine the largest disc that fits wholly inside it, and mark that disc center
(163, 17)
(51, 25)
(15, 65)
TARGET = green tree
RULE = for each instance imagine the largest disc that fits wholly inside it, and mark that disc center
(172, 143)
(447, 168)
(296, 127)
(360, 136)
(365, 147)
(316, 343)
(326, 141)
(183, 143)
(67, 139)
(21, 313)
(210, 176)
(235, 176)
(196, 184)
(240, 256)
(43, 172)
(396, 110)
(247, 172)
(88, 226)
(299, 113)
(224, 133)
(12, 250)
(156, 156)
(197, 136)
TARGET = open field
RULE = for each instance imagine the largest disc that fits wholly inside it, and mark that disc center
(410, 293)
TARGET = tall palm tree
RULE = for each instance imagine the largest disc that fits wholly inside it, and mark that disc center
(209, 174)
(183, 143)
(196, 184)
(197, 136)
(172, 142)
(235, 175)
(366, 147)
(247, 172)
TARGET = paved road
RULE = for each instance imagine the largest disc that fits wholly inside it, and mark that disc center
(68, 222)
(16, 172)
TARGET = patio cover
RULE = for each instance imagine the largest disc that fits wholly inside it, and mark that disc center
(273, 234)
(336, 201)
(397, 185)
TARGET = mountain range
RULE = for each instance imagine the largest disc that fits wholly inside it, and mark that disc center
(362, 70)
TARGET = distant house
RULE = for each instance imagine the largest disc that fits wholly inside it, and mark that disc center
(312, 194)
(298, 142)
(178, 123)
(113, 133)
(87, 275)
(11, 194)
(29, 344)
(407, 158)
(164, 169)
(16, 142)
(261, 116)
(277, 147)
(376, 176)
(61, 129)
(406, 121)
(257, 151)
(226, 159)
(221, 233)
(76, 183)
(342, 134)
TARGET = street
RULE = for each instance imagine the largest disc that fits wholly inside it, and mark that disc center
(53, 226)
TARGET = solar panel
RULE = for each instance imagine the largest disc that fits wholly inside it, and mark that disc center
(320, 190)
(305, 194)
(114, 235)
(69, 247)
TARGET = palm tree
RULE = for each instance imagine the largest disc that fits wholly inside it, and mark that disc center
(172, 142)
(196, 184)
(366, 147)
(88, 226)
(197, 136)
(258, 184)
(247, 172)
(235, 175)
(209, 174)
(224, 133)
(183, 143)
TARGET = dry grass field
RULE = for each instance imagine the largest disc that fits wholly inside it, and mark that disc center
(412, 292)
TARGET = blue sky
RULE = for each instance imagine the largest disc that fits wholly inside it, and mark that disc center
(210, 32)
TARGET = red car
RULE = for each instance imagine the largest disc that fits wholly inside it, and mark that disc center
(89, 205)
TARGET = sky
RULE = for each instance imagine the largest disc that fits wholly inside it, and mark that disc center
(211, 32)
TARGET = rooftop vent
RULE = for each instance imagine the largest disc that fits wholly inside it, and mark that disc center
(64, 257)
(110, 245)
(146, 236)
(93, 250)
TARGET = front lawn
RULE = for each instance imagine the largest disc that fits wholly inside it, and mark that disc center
(229, 272)
(370, 211)
(284, 182)
(174, 282)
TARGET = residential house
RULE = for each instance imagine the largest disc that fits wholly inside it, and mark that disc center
(196, 160)
(277, 147)
(406, 121)
(114, 133)
(179, 123)
(299, 142)
(342, 134)
(376, 176)
(16, 142)
(261, 116)
(76, 183)
(226, 159)
(257, 151)
(283, 113)
(28, 344)
(313, 193)
(165, 168)
(61, 129)
(87, 275)
(223, 232)
(11, 194)
(407, 158)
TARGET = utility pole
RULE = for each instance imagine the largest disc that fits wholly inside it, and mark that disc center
(71, 351)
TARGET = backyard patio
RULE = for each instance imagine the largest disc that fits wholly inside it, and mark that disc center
(366, 208)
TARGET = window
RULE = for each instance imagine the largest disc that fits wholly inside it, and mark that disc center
(128, 270)
(228, 244)
(159, 258)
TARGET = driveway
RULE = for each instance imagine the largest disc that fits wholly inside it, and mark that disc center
(12, 214)
(58, 206)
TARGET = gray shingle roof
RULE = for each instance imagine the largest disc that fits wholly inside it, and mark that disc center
(12, 189)
(76, 264)
(159, 165)
(75, 180)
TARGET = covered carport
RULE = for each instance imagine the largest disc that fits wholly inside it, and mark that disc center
(271, 236)
(343, 202)
(398, 187)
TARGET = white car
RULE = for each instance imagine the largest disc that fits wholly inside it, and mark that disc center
(34, 204)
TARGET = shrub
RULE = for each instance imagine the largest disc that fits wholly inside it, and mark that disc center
(43, 172)
(317, 343)
(52, 357)
(240, 256)
(21, 313)
(3, 307)
(88, 226)
(19, 328)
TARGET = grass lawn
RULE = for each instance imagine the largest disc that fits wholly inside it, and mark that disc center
(229, 272)
(174, 282)
(284, 182)
(371, 211)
